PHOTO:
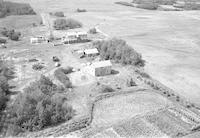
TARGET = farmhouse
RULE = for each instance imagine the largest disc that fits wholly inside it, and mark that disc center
(100, 68)
(39, 39)
(91, 52)
(82, 35)
(75, 37)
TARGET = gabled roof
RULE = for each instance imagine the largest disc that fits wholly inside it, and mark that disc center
(91, 51)
(82, 33)
(99, 64)
(76, 33)
(71, 33)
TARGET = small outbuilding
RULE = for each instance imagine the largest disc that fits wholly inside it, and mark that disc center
(100, 68)
(39, 39)
(82, 35)
(91, 52)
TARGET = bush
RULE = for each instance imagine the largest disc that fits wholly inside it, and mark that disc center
(148, 6)
(61, 75)
(117, 50)
(125, 3)
(2, 41)
(93, 31)
(12, 34)
(67, 70)
(15, 36)
(143, 74)
(37, 66)
(62, 24)
(39, 106)
(81, 10)
(130, 83)
(104, 88)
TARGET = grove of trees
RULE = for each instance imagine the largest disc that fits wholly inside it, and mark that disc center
(42, 104)
(63, 24)
(119, 51)
(12, 8)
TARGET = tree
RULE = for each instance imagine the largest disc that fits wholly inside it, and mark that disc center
(15, 36)
(93, 31)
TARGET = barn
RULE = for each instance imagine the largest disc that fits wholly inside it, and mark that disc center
(100, 68)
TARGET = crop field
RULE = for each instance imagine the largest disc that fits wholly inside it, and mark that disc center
(138, 128)
(117, 108)
(171, 124)
(162, 123)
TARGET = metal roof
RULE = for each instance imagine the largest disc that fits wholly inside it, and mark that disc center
(99, 64)
(71, 33)
(76, 33)
(91, 51)
(81, 33)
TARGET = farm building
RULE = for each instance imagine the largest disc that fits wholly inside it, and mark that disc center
(100, 68)
(91, 52)
(82, 35)
(75, 37)
(40, 39)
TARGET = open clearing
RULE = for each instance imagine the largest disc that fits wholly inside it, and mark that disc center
(168, 40)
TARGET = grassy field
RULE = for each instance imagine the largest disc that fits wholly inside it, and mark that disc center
(19, 21)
